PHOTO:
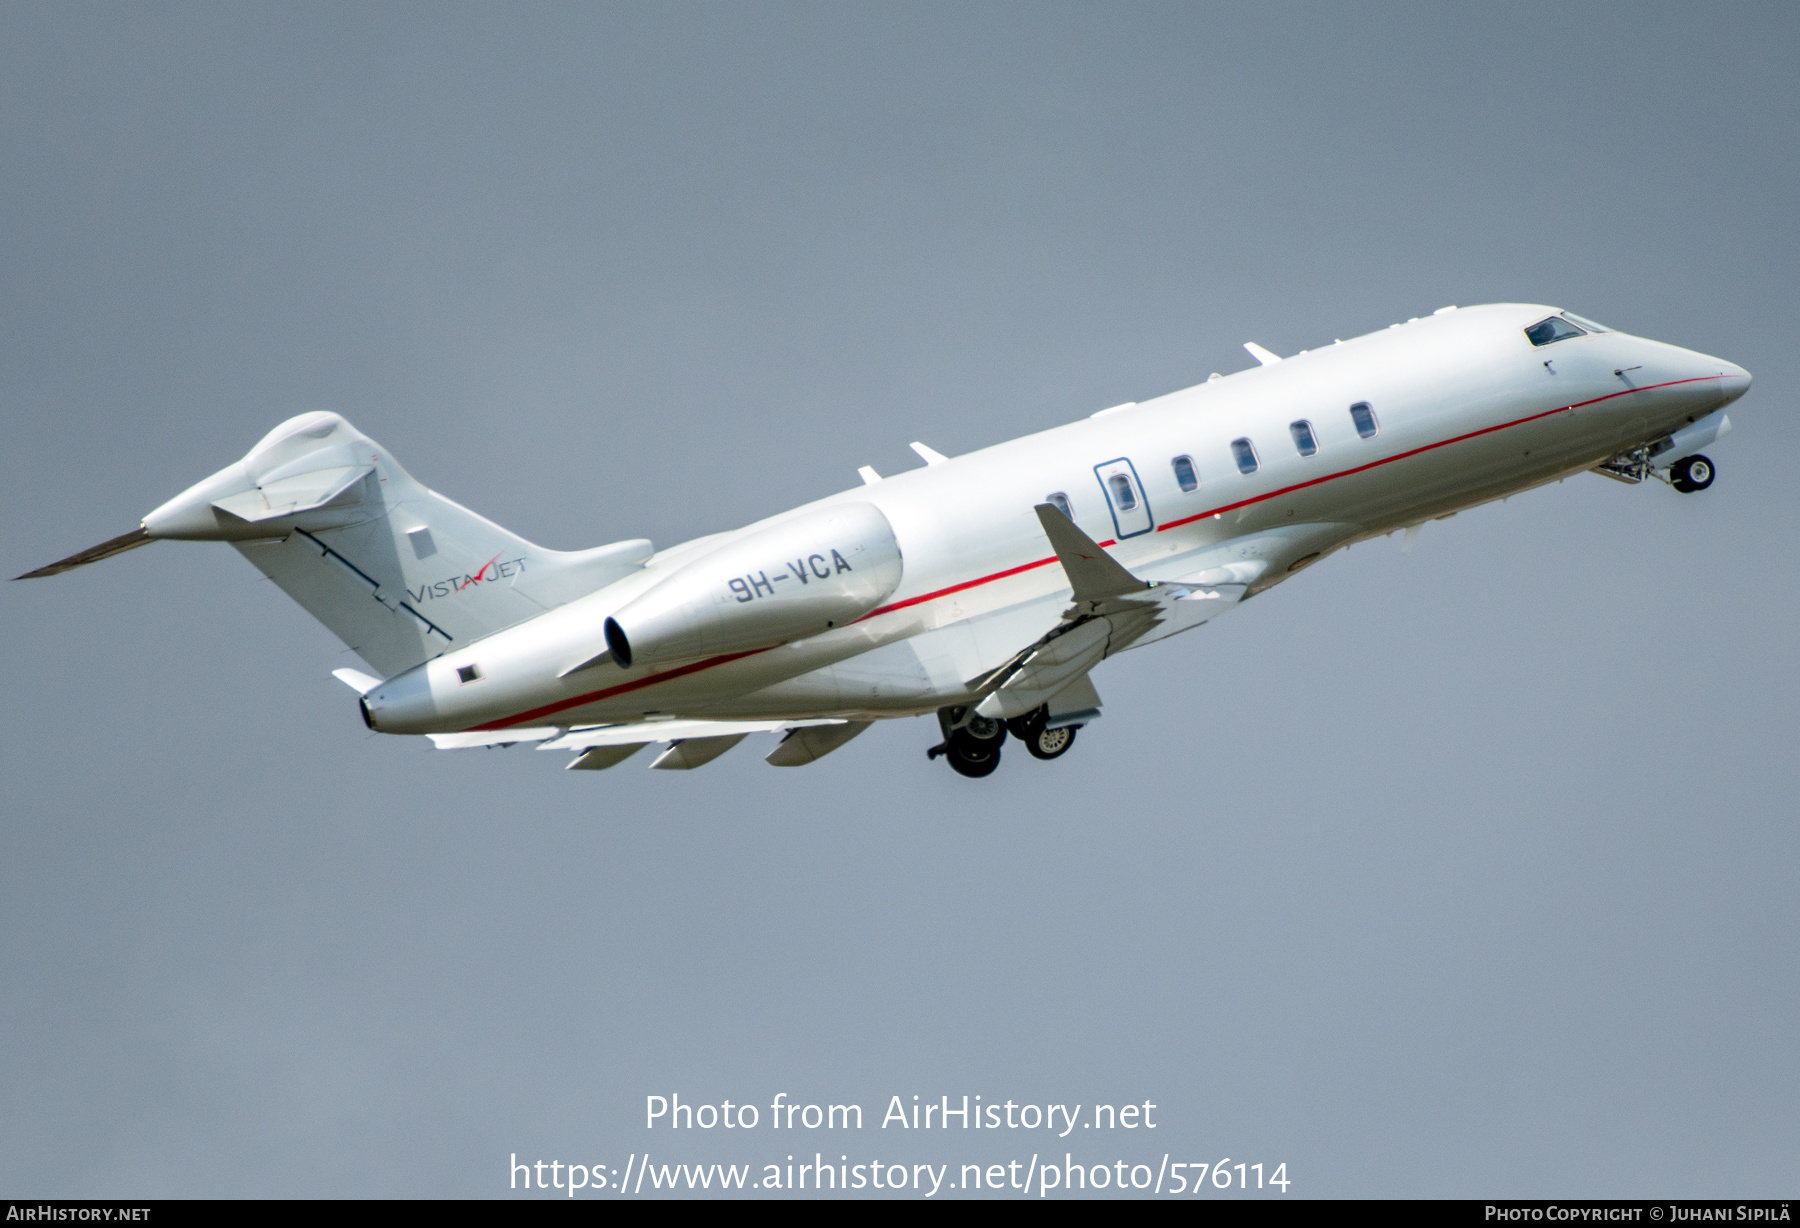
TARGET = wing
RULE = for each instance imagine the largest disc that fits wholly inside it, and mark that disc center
(1112, 609)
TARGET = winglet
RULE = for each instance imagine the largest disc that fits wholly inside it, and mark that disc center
(1267, 358)
(1093, 573)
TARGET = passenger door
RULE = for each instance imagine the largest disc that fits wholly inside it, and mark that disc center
(1125, 496)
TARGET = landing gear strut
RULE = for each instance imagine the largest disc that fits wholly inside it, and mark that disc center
(1691, 473)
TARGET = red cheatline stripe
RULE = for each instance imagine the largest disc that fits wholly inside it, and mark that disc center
(563, 705)
(697, 666)
(957, 588)
(1442, 443)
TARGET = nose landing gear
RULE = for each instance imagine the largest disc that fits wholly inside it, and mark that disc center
(1691, 473)
(1634, 465)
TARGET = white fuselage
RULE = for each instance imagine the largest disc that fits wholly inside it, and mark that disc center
(1465, 408)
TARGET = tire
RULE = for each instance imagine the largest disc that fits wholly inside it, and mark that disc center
(1692, 473)
(972, 756)
(1051, 743)
(1042, 743)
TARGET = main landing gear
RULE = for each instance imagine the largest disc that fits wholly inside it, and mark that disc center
(1041, 742)
(972, 748)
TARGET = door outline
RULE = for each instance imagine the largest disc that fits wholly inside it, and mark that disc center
(1137, 483)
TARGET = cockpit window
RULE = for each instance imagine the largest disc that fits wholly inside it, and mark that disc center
(1586, 323)
(1546, 332)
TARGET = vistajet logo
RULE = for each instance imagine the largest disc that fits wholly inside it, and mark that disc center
(493, 570)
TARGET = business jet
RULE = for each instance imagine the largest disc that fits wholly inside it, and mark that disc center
(984, 588)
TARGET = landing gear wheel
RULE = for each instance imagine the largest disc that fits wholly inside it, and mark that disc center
(1049, 743)
(972, 758)
(1042, 743)
(1691, 473)
(974, 750)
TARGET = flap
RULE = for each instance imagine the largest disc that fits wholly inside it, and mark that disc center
(642, 732)
(1079, 698)
(1051, 666)
(502, 737)
(691, 753)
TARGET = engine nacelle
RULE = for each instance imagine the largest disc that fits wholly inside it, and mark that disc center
(788, 581)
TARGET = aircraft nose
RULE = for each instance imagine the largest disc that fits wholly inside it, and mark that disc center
(1736, 381)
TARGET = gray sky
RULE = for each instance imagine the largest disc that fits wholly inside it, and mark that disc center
(1465, 871)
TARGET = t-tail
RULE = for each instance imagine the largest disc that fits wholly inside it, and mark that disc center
(396, 570)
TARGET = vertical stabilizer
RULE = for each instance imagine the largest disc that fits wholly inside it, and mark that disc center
(396, 570)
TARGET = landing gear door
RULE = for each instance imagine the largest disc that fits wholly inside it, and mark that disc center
(1125, 496)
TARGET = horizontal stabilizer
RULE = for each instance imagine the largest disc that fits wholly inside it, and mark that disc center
(303, 492)
(356, 680)
(93, 554)
(1093, 573)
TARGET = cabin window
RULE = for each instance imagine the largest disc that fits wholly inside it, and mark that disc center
(1304, 442)
(1364, 417)
(1060, 502)
(1124, 498)
(1185, 477)
(1244, 453)
(1548, 332)
(468, 673)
